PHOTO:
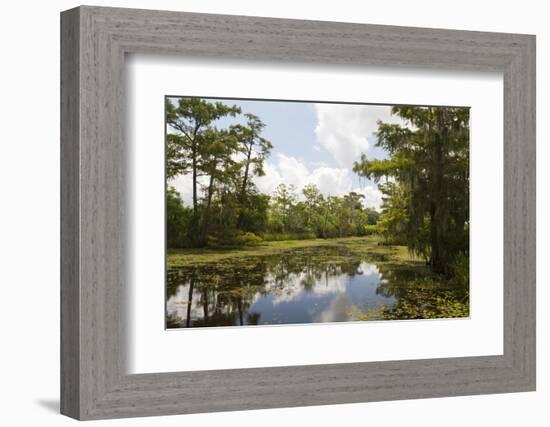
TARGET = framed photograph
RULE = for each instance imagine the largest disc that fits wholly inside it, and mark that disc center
(278, 213)
(266, 223)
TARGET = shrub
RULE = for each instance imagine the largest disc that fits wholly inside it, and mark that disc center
(179, 219)
(269, 237)
(460, 270)
(248, 239)
(370, 230)
(234, 240)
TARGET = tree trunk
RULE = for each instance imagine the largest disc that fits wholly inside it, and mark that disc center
(435, 262)
(205, 305)
(194, 161)
(189, 302)
(325, 234)
(244, 184)
(246, 169)
(194, 153)
(206, 218)
(240, 308)
(439, 261)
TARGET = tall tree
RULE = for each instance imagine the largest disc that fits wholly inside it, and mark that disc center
(218, 148)
(313, 202)
(255, 149)
(187, 120)
(284, 198)
(429, 162)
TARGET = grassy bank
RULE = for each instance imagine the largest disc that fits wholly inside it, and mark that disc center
(368, 247)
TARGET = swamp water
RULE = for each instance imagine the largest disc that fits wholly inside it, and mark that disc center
(309, 285)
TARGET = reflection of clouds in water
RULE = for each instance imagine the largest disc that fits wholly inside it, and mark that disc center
(324, 286)
(369, 269)
(337, 311)
(334, 285)
(280, 296)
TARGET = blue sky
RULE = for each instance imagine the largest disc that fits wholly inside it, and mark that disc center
(312, 143)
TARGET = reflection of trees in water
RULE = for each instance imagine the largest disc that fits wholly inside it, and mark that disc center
(307, 267)
(420, 294)
(222, 293)
(396, 277)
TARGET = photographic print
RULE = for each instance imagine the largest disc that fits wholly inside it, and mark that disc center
(294, 212)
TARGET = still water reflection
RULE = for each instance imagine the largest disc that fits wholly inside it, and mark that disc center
(300, 286)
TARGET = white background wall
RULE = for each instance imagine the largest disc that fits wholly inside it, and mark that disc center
(29, 212)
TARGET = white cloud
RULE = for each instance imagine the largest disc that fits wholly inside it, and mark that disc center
(184, 185)
(343, 130)
(330, 180)
(288, 170)
(373, 196)
(293, 290)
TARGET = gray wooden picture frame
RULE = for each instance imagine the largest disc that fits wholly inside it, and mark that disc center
(94, 41)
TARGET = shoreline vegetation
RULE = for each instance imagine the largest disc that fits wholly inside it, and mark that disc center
(369, 247)
(418, 241)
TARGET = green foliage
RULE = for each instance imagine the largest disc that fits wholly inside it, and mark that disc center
(394, 220)
(278, 237)
(424, 183)
(426, 202)
(424, 220)
(461, 271)
(237, 239)
(254, 147)
(248, 239)
(178, 220)
(371, 230)
(186, 124)
(229, 204)
(318, 216)
(283, 203)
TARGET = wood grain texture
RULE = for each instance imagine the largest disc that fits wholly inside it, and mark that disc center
(94, 232)
(70, 220)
